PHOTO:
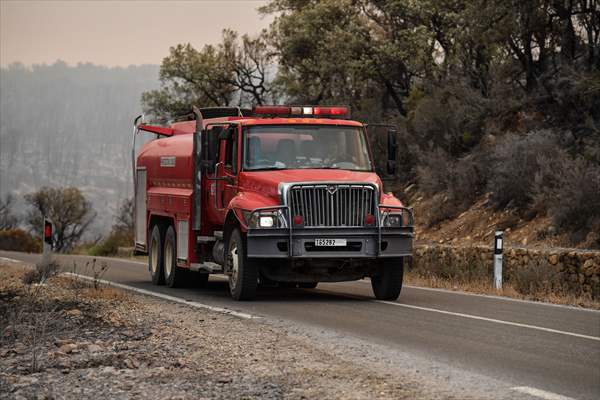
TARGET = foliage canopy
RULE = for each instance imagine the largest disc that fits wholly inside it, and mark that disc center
(455, 75)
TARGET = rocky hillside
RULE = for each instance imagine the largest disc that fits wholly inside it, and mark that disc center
(478, 223)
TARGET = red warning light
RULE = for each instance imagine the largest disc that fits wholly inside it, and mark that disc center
(305, 111)
(330, 110)
(48, 232)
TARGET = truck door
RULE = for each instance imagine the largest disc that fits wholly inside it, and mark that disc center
(227, 169)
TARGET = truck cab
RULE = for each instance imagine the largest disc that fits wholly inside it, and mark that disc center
(279, 195)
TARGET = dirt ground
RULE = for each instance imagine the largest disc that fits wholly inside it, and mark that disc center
(66, 339)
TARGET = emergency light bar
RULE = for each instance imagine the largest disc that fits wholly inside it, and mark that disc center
(302, 111)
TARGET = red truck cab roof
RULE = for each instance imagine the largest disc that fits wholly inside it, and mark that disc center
(185, 127)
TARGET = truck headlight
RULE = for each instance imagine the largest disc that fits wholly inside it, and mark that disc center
(266, 219)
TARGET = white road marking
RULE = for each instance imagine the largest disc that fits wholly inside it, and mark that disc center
(492, 296)
(120, 259)
(505, 298)
(179, 300)
(542, 394)
(497, 321)
(9, 259)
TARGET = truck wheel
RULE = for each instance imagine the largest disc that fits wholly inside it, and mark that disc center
(308, 285)
(388, 281)
(174, 276)
(243, 272)
(155, 257)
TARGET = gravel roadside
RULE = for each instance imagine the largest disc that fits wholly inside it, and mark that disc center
(66, 339)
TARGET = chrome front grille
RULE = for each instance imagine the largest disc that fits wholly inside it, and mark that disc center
(332, 204)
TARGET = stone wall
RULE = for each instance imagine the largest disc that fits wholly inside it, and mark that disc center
(565, 271)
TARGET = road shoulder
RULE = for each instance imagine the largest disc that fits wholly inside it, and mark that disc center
(106, 343)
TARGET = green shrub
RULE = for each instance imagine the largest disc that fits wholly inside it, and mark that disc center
(110, 245)
(19, 240)
(454, 185)
(449, 117)
(573, 200)
(432, 173)
(515, 164)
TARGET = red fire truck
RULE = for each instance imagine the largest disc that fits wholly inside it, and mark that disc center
(284, 195)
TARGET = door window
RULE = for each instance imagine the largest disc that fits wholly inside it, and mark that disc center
(230, 156)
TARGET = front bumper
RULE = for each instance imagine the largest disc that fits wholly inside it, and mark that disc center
(362, 242)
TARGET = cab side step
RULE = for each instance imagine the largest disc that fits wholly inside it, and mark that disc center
(209, 239)
(205, 239)
(209, 267)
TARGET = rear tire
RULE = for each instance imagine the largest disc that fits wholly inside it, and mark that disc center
(155, 257)
(174, 276)
(308, 285)
(243, 272)
(387, 284)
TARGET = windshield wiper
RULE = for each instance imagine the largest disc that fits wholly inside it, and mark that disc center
(267, 169)
(319, 167)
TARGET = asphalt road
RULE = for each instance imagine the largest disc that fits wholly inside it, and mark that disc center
(547, 351)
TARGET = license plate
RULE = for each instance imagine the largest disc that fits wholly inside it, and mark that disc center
(330, 242)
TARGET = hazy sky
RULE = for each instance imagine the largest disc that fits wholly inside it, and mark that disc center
(116, 33)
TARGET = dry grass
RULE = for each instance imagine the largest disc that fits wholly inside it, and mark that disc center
(36, 303)
(27, 311)
(43, 271)
(486, 287)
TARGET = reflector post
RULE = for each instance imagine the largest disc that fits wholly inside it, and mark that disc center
(47, 239)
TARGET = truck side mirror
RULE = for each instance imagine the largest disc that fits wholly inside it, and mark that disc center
(210, 147)
(392, 151)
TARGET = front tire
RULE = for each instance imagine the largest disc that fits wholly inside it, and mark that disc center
(155, 257)
(387, 284)
(308, 285)
(243, 272)
(174, 275)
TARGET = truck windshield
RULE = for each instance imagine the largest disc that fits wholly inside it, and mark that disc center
(269, 147)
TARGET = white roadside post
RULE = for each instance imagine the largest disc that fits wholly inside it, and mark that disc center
(47, 239)
(498, 260)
